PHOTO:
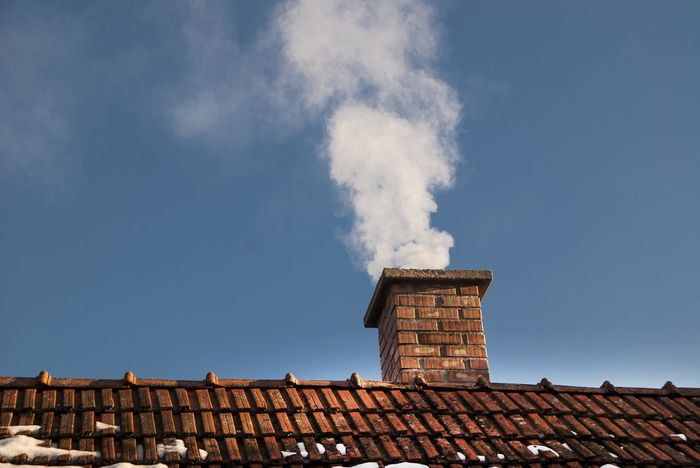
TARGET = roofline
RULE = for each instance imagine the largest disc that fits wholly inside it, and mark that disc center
(543, 386)
(481, 278)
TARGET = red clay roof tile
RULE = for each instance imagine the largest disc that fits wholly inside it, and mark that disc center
(250, 422)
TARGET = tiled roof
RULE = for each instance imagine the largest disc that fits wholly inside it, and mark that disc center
(250, 422)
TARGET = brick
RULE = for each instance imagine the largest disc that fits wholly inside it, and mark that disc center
(469, 290)
(408, 376)
(461, 301)
(416, 301)
(407, 338)
(405, 312)
(474, 338)
(478, 364)
(431, 312)
(409, 363)
(440, 338)
(472, 313)
(466, 351)
(443, 363)
(418, 350)
(461, 325)
(431, 327)
(461, 376)
(416, 325)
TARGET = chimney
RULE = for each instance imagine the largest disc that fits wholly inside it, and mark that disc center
(430, 324)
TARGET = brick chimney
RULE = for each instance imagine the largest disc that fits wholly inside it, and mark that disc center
(430, 324)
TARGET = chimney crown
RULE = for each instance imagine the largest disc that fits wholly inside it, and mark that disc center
(430, 324)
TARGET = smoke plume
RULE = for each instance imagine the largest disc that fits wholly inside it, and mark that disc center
(368, 66)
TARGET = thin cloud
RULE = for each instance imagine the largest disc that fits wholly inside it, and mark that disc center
(226, 92)
(35, 101)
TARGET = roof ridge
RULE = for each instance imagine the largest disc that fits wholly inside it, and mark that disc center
(668, 389)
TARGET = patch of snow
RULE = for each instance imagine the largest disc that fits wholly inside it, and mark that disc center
(302, 449)
(613, 455)
(286, 454)
(612, 436)
(178, 446)
(680, 436)
(362, 465)
(566, 446)
(14, 430)
(461, 456)
(406, 465)
(574, 432)
(31, 447)
(341, 448)
(12, 465)
(501, 456)
(536, 449)
(203, 454)
(130, 465)
(100, 426)
(321, 448)
(608, 465)
(481, 458)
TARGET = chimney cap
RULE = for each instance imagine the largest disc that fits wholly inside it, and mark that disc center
(481, 278)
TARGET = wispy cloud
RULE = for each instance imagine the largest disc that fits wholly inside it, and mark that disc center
(227, 91)
(34, 100)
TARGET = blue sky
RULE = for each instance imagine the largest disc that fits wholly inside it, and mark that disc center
(168, 200)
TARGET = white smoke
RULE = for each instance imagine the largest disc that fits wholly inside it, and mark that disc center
(391, 120)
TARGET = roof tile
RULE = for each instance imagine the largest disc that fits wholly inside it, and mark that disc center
(303, 424)
(126, 423)
(228, 425)
(166, 418)
(242, 422)
(505, 401)
(359, 423)
(370, 449)
(9, 399)
(125, 401)
(322, 422)
(312, 399)
(211, 446)
(163, 399)
(265, 424)
(390, 447)
(87, 399)
(410, 451)
(296, 402)
(340, 423)
(233, 452)
(247, 423)
(258, 399)
(240, 400)
(148, 424)
(277, 400)
(284, 423)
(252, 450)
(208, 426)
